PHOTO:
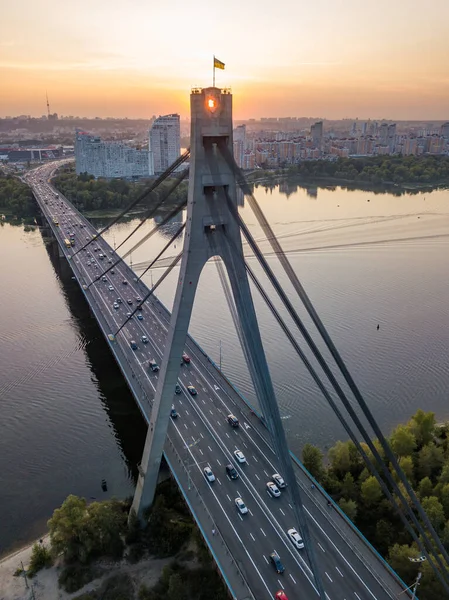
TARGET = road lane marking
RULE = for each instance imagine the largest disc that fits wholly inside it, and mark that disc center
(193, 423)
(209, 447)
(256, 475)
(266, 559)
(263, 532)
(280, 583)
(339, 572)
(227, 496)
(252, 537)
(292, 578)
(321, 547)
(282, 511)
(328, 576)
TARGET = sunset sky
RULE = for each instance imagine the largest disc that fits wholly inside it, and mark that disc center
(136, 58)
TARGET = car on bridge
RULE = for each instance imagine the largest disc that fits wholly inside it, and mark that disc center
(192, 390)
(185, 358)
(277, 563)
(240, 456)
(140, 317)
(110, 288)
(232, 420)
(273, 489)
(144, 339)
(280, 595)
(231, 472)
(241, 506)
(129, 301)
(125, 282)
(173, 413)
(153, 365)
(208, 474)
(133, 345)
(115, 305)
(279, 481)
(178, 389)
(295, 538)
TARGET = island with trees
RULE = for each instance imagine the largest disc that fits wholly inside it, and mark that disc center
(415, 171)
(104, 197)
(422, 449)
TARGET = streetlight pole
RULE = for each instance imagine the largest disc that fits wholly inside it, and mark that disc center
(416, 585)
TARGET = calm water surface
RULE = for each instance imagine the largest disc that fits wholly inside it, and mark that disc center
(67, 419)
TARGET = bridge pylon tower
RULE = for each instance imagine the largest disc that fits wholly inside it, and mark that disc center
(212, 230)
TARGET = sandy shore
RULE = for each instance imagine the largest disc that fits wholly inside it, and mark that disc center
(44, 586)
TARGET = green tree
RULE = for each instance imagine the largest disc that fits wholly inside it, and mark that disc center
(403, 441)
(445, 499)
(312, 459)
(435, 511)
(371, 492)
(349, 507)
(406, 464)
(429, 462)
(444, 475)
(340, 458)
(348, 487)
(385, 535)
(425, 488)
(422, 425)
(176, 588)
(399, 559)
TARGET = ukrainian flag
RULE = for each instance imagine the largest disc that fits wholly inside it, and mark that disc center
(218, 64)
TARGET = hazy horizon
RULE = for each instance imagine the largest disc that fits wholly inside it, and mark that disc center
(107, 59)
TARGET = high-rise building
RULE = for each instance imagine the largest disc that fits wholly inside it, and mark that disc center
(164, 142)
(391, 137)
(383, 133)
(445, 130)
(316, 132)
(109, 159)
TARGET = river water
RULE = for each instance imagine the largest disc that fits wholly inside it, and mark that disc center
(67, 420)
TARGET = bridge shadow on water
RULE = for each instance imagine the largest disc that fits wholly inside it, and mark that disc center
(118, 403)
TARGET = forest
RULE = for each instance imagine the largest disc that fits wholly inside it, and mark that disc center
(377, 170)
(16, 198)
(422, 449)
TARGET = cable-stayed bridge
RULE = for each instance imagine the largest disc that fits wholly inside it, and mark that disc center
(332, 560)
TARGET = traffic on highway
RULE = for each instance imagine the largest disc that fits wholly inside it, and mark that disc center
(222, 444)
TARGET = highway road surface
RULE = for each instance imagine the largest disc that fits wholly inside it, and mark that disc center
(202, 437)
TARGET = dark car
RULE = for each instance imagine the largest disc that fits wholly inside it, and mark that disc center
(125, 282)
(185, 358)
(276, 562)
(233, 421)
(178, 389)
(231, 472)
(192, 390)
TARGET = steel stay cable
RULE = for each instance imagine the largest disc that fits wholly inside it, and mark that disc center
(370, 465)
(150, 293)
(153, 210)
(140, 198)
(347, 405)
(339, 391)
(167, 245)
(165, 220)
(338, 359)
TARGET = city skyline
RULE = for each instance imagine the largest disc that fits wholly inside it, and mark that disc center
(387, 60)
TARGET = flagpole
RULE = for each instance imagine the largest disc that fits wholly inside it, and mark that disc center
(214, 71)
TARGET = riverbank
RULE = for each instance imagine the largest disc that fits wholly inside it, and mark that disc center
(44, 585)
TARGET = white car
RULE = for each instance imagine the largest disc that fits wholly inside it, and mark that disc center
(278, 480)
(241, 506)
(144, 338)
(273, 489)
(240, 456)
(110, 288)
(208, 474)
(115, 305)
(295, 538)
